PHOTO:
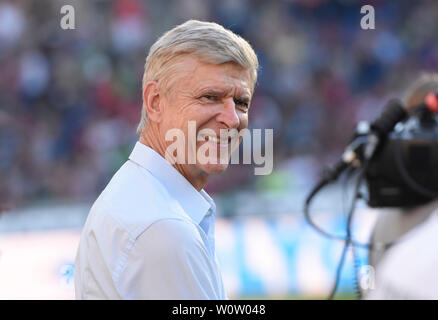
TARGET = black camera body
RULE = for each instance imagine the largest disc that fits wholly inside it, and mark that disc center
(403, 172)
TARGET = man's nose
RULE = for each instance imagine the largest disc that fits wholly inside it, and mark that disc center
(228, 115)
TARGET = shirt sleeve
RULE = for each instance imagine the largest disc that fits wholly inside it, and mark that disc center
(169, 261)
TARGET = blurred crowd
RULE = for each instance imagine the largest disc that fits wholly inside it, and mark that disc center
(70, 100)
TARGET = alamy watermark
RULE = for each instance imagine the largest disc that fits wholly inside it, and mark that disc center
(367, 278)
(368, 21)
(68, 19)
(219, 149)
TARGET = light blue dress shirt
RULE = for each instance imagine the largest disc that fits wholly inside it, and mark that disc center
(149, 235)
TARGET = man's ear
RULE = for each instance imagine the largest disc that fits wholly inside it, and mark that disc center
(152, 101)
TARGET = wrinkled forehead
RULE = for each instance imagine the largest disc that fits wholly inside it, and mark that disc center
(192, 72)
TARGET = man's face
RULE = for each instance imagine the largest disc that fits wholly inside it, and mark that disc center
(213, 97)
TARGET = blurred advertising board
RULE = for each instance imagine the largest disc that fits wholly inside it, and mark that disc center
(276, 256)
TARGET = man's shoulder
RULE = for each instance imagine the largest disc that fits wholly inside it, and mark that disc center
(134, 199)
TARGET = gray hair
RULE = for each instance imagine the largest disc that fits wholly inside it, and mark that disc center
(208, 41)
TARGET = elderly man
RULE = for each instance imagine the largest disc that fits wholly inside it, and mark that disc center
(150, 234)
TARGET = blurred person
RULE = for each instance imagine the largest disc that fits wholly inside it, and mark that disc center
(150, 233)
(406, 270)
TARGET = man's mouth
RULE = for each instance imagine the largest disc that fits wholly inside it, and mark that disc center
(214, 139)
(222, 142)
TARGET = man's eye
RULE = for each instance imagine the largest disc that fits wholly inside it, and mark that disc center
(208, 98)
(243, 105)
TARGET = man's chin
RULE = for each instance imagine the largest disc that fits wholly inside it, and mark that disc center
(210, 168)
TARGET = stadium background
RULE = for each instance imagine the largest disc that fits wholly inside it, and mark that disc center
(70, 101)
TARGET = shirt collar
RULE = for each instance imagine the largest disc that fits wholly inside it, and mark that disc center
(195, 204)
